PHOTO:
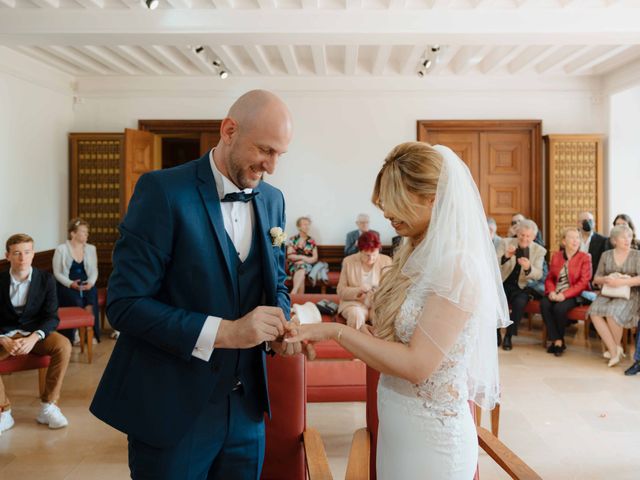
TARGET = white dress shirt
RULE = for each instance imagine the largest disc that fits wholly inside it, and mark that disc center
(238, 218)
(18, 292)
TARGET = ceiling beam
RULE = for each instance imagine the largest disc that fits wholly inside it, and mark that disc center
(259, 59)
(353, 4)
(288, 55)
(76, 58)
(9, 3)
(468, 58)
(381, 60)
(49, 59)
(223, 4)
(499, 57)
(201, 61)
(229, 61)
(267, 4)
(410, 65)
(319, 54)
(310, 4)
(91, 3)
(614, 26)
(110, 59)
(47, 3)
(140, 59)
(443, 59)
(581, 66)
(351, 60)
(531, 56)
(180, 4)
(397, 4)
(167, 57)
(553, 64)
(618, 61)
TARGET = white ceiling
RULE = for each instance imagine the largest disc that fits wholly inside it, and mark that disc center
(326, 38)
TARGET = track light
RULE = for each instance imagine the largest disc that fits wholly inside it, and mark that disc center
(152, 4)
(421, 73)
(223, 74)
(427, 63)
(199, 49)
(435, 48)
(217, 63)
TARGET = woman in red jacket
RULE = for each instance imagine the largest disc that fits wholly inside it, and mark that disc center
(569, 275)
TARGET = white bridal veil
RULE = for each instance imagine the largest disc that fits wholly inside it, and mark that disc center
(457, 262)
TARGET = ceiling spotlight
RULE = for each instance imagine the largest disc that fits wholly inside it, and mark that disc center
(435, 48)
(217, 63)
(199, 49)
(223, 74)
(152, 4)
(421, 73)
(427, 63)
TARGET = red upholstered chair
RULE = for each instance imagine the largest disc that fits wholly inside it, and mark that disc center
(292, 450)
(76, 317)
(102, 305)
(334, 376)
(27, 362)
(362, 458)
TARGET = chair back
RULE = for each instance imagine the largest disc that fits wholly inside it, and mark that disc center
(284, 449)
(372, 419)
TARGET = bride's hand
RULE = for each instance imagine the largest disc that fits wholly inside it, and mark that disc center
(313, 333)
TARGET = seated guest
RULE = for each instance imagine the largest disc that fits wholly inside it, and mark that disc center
(520, 260)
(624, 219)
(610, 314)
(569, 274)
(75, 266)
(591, 242)
(302, 253)
(515, 220)
(351, 243)
(493, 229)
(359, 277)
(29, 327)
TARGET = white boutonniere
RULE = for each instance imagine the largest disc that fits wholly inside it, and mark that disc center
(278, 236)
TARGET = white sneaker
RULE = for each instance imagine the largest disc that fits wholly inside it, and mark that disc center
(51, 415)
(6, 421)
(76, 338)
(115, 334)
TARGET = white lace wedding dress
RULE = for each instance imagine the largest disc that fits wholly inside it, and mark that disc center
(426, 431)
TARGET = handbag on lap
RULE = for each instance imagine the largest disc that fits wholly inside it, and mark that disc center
(623, 291)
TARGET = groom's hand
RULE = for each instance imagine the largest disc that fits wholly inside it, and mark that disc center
(262, 324)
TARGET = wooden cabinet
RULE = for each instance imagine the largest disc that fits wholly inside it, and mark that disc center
(504, 158)
(95, 174)
(574, 165)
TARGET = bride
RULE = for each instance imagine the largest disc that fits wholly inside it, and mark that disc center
(435, 316)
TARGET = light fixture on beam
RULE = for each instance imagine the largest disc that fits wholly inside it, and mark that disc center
(427, 63)
(152, 4)
(223, 74)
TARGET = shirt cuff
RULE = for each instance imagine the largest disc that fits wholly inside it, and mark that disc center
(204, 344)
(41, 334)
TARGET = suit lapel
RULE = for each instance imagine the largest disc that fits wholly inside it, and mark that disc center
(209, 194)
(262, 224)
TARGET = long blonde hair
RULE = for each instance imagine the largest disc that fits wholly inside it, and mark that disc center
(411, 168)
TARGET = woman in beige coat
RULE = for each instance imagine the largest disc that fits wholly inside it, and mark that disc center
(359, 278)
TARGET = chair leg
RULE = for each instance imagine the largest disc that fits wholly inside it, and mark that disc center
(478, 414)
(625, 339)
(495, 420)
(89, 336)
(544, 335)
(42, 376)
(587, 325)
(83, 338)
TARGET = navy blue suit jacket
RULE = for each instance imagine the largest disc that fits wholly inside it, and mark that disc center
(172, 270)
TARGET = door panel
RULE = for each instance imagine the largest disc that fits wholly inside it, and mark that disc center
(505, 172)
(139, 158)
(464, 144)
(208, 140)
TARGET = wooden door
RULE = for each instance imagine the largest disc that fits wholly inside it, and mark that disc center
(505, 176)
(504, 158)
(465, 144)
(139, 158)
(208, 140)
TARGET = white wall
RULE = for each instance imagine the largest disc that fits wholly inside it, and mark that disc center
(624, 155)
(35, 117)
(342, 135)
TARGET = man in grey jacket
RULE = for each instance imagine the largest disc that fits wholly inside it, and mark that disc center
(351, 243)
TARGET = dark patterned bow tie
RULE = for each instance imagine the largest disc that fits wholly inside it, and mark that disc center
(239, 197)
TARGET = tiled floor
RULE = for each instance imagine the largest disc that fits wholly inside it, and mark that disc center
(568, 418)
